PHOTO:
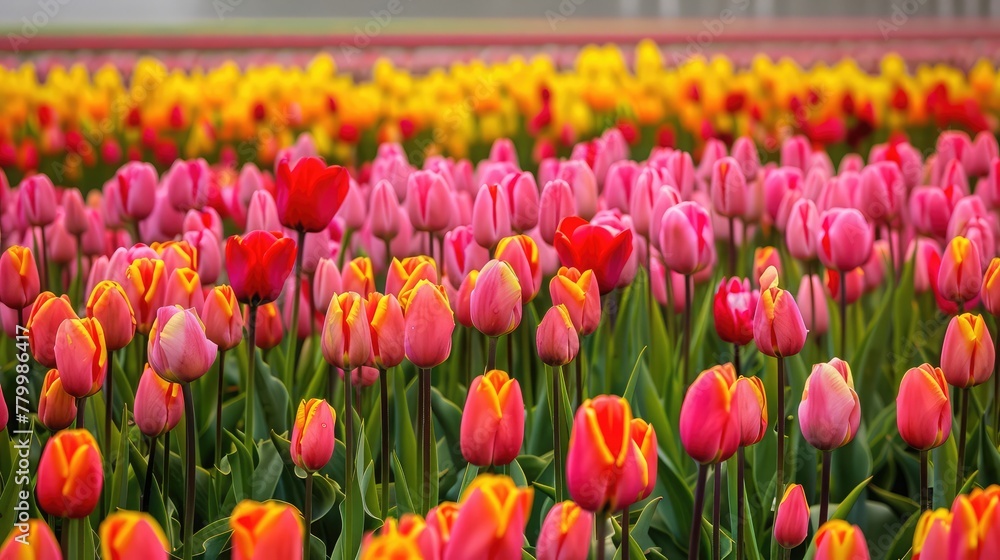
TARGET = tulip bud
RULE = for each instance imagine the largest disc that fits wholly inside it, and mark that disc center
(462, 302)
(490, 216)
(388, 326)
(801, 230)
(266, 530)
(37, 197)
(346, 338)
(441, 520)
(429, 325)
(491, 522)
(967, 355)
(556, 339)
(923, 408)
(222, 317)
(384, 211)
(751, 408)
(930, 538)
(580, 294)
(839, 540)
(710, 422)
(109, 305)
(686, 240)
(644, 437)
(961, 275)
(556, 204)
(428, 201)
(462, 254)
(764, 257)
(159, 404)
(262, 213)
(36, 543)
(605, 469)
(309, 194)
(830, 411)
(728, 188)
(326, 283)
(855, 284)
(178, 349)
(566, 533)
(56, 407)
(81, 356)
(522, 196)
(493, 420)
(258, 265)
(143, 284)
(778, 329)
(135, 196)
(269, 327)
(70, 475)
(20, 277)
(206, 246)
(408, 539)
(990, 291)
(495, 302)
(313, 435)
(186, 183)
(359, 276)
(975, 524)
(791, 523)
(404, 274)
(130, 535)
(733, 310)
(521, 253)
(47, 314)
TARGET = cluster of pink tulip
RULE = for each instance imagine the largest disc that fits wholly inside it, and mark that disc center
(143, 268)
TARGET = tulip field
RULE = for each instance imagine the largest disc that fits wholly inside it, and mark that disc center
(510, 310)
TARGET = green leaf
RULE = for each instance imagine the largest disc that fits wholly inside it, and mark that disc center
(119, 484)
(273, 399)
(242, 468)
(213, 529)
(404, 502)
(268, 471)
(632, 379)
(845, 506)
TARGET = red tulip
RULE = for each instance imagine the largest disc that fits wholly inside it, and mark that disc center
(923, 408)
(733, 310)
(159, 404)
(855, 284)
(258, 265)
(309, 195)
(584, 246)
(20, 277)
(70, 475)
(967, 354)
(47, 314)
(270, 329)
(313, 434)
(710, 423)
(493, 420)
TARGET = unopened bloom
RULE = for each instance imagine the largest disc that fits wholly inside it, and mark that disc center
(830, 411)
(923, 408)
(313, 434)
(493, 420)
(70, 474)
(710, 422)
(266, 530)
(131, 535)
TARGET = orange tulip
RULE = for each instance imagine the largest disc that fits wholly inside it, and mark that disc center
(81, 356)
(990, 291)
(923, 408)
(346, 338)
(493, 420)
(961, 275)
(36, 543)
(222, 317)
(130, 535)
(47, 314)
(70, 475)
(410, 538)
(778, 328)
(839, 540)
(388, 326)
(491, 521)
(183, 288)
(581, 296)
(404, 274)
(56, 407)
(262, 531)
(269, 328)
(967, 354)
(144, 281)
(441, 520)
(358, 276)
(930, 539)
(109, 304)
(20, 277)
(975, 524)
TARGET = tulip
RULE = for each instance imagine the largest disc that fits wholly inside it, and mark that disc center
(187, 183)
(491, 522)
(262, 213)
(686, 241)
(143, 284)
(383, 211)
(855, 285)
(313, 435)
(750, 402)
(923, 408)
(931, 208)
(131, 535)
(565, 533)
(462, 254)
(522, 197)
(492, 427)
(710, 422)
(346, 337)
(47, 314)
(37, 198)
(733, 310)
(70, 475)
(268, 327)
(522, 254)
(462, 300)
(585, 246)
(358, 276)
(644, 437)
(388, 326)
(490, 215)
(975, 524)
(605, 469)
(404, 274)
(428, 201)
(56, 407)
(556, 204)
(178, 349)
(583, 182)
(266, 530)
(580, 294)
(811, 301)
(728, 188)
(764, 257)
(429, 325)
(258, 265)
(745, 153)
(839, 540)
(35, 542)
(495, 302)
(961, 275)
(845, 240)
(791, 522)
(326, 283)
(309, 194)
(556, 339)
(135, 196)
(777, 324)
(109, 305)
(441, 520)
(207, 248)
(408, 539)
(882, 191)
(81, 356)
(830, 411)
(801, 230)
(183, 288)
(930, 538)
(967, 355)
(222, 318)
(20, 277)
(159, 404)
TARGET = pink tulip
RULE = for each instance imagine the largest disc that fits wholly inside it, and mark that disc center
(262, 213)
(556, 338)
(710, 422)
(428, 201)
(791, 522)
(159, 405)
(522, 254)
(845, 239)
(556, 203)
(801, 230)
(923, 408)
(728, 188)
(223, 320)
(795, 152)
(566, 533)
(81, 356)
(37, 200)
(179, 351)
(811, 301)
(745, 153)
(882, 192)
(961, 274)
(136, 193)
(462, 254)
(492, 427)
(686, 241)
(619, 184)
(74, 212)
(967, 354)
(346, 337)
(429, 325)
(383, 211)
(495, 302)
(750, 401)
(186, 183)
(490, 216)
(830, 411)
(522, 197)
(583, 183)
(326, 283)
(778, 329)
(776, 185)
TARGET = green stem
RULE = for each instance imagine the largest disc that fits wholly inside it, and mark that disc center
(687, 328)
(248, 405)
(384, 398)
(166, 475)
(557, 431)
(625, 533)
(601, 520)
(491, 358)
(292, 357)
(960, 475)
(740, 502)
(307, 513)
(780, 490)
(218, 409)
(824, 493)
(349, 459)
(579, 378)
(717, 513)
(924, 502)
(109, 400)
(425, 437)
(81, 406)
(699, 506)
(147, 485)
(843, 315)
(189, 476)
